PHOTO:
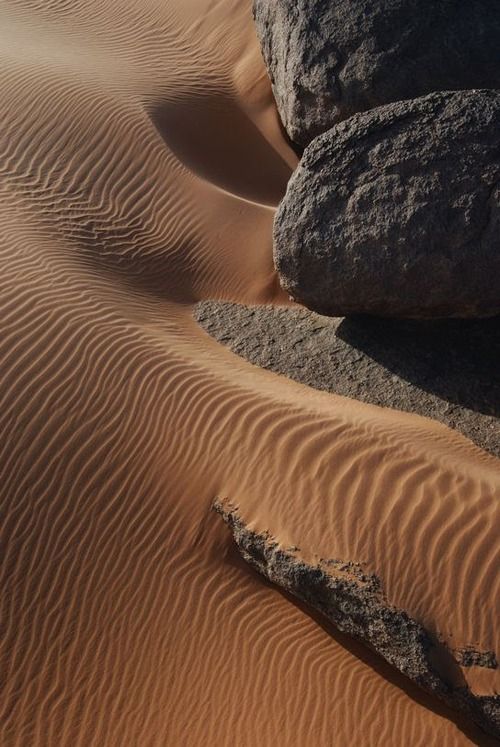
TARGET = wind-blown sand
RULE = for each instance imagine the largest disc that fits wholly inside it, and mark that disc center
(444, 369)
(141, 163)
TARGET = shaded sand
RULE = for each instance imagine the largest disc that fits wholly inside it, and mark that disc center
(446, 369)
(128, 617)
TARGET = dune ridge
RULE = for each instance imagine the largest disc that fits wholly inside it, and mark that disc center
(127, 615)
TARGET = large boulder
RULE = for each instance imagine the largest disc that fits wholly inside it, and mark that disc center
(396, 212)
(329, 59)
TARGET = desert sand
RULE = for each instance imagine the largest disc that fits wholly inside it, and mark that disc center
(445, 369)
(142, 162)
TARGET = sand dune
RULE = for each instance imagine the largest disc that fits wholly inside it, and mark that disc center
(141, 160)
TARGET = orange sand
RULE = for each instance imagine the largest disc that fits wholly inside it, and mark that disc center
(141, 162)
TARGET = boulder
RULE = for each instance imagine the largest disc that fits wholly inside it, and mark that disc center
(396, 212)
(328, 60)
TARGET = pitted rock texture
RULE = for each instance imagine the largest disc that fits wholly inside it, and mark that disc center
(354, 601)
(470, 657)
(396, 212)
(328, 60)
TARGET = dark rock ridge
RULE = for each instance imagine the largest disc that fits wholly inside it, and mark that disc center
(354, 601)
(396, 212)
(328, 60)
(470, 657)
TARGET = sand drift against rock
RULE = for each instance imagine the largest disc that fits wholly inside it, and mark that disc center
(354, 601)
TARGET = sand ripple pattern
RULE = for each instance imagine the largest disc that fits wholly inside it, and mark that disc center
(127, 616)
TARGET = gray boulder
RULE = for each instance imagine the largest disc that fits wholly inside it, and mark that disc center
(396, 212)
(330, 59)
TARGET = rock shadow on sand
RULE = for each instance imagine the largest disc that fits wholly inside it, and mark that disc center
(457, 360)
(227, 150)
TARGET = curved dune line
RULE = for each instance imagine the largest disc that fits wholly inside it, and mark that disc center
(127, 615)
(409, 490)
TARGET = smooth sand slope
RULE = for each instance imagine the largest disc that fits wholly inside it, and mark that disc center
(141, 159)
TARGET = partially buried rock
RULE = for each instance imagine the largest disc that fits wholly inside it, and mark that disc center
(396, 212)
(328, 60)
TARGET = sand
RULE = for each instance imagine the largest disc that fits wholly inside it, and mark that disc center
(445, 369)
(142, 160)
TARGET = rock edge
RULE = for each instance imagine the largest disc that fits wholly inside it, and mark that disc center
(355, 603)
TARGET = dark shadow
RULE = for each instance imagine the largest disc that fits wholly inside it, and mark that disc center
(458, 359)
(216, 140)
(297, 149)
(370, 658)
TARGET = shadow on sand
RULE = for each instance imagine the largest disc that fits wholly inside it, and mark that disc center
(458, 360)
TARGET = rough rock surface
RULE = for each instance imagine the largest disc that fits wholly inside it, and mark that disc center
(328, 60)
(354, 601)
(396, 212)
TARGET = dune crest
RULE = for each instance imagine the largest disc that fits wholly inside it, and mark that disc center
(128, 616)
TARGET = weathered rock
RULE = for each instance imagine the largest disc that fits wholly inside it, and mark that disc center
(354, 601)
(396, 212)
(328, 60)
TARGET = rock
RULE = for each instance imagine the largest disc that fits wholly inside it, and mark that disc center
(396, 212)
(328, 60)
(355, 603)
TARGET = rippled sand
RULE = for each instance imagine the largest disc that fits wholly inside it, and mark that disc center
(141, 163)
